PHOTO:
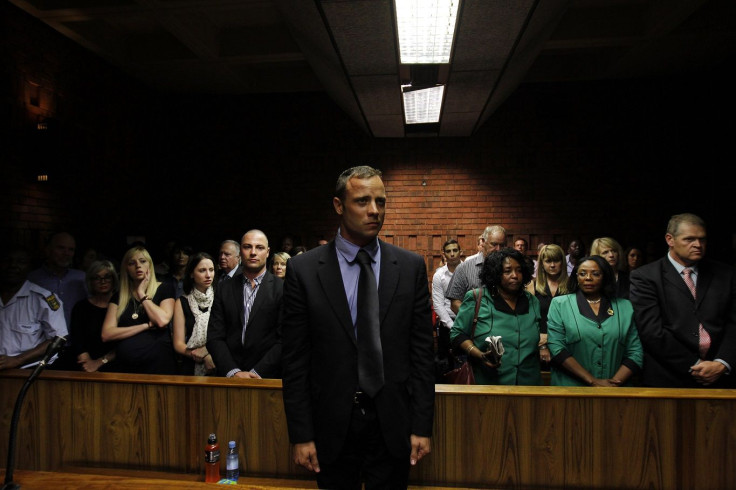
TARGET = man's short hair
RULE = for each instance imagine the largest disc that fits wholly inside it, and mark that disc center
(490, 230)
(449, 242)
(231, 242)
(523, 240)
(360, 172)
(676, 220)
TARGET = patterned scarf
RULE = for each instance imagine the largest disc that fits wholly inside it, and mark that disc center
(197, 302)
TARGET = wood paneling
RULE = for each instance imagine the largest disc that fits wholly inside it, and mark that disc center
(484, 436)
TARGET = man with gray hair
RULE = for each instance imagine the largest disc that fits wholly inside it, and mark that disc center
(228, 261)
(467, 274)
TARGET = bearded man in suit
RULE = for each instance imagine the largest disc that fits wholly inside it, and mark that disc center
(359, 399)
(685, 310)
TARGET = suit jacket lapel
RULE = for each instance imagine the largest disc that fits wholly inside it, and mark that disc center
(330, 277)
(388, 280)
(670, 274)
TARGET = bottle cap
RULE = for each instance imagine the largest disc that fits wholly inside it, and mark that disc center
(212, 439)
(231, 444)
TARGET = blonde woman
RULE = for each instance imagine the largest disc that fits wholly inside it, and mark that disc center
(138, 318)
(551, 281)
(278, 268)
(609, 249)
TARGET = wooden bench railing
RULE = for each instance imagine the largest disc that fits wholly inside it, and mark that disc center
(484, 436)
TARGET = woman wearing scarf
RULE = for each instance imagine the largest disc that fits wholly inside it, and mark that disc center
(191, 315)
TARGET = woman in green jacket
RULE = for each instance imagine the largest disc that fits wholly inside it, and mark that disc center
(508, 311)
(591, 333)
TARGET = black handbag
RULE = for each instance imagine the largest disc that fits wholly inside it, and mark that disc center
(463, 375)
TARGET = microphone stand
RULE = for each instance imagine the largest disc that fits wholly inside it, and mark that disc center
(54, 347)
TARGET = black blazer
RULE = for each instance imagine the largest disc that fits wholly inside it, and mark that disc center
(667, 317)
(320, 351)
(218, 275)
(262, 349)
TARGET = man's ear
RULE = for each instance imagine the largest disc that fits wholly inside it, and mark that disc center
(337, 203)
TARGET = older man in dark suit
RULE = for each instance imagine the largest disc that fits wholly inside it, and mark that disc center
(243, 332)
(358, 359)
(685, 310)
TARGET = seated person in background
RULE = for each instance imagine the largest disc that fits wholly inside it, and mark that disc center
(506, 310)
(278, 267)
(138, 318)
(609, 249)
(30, 316)
(634, 258)
(178, 261)
(244, 335)
(192, 314)
(88, 349)
(57, 276)
(551, 281)
(591, 332)
(299, 249)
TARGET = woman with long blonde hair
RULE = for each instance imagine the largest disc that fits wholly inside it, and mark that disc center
(551, 281)
(611, 250)
(138, 318)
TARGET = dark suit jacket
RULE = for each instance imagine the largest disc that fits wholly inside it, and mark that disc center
(262, 349)
(320, 351)
(667, 317)
(219, 274)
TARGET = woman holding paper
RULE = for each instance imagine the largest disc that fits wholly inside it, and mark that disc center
(507, 311)
(591, 332)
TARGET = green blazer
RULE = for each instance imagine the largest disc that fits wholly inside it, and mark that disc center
(519, 333)
(599, 346)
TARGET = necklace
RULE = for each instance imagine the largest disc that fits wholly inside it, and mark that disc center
(134, 316)
(593, 302)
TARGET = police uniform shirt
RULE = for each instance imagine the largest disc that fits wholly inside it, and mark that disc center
(31, 317)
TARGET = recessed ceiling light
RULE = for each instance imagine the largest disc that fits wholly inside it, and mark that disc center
(426, 30)
(424, 105)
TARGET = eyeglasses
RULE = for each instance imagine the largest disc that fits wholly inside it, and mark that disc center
(102, 279)
(584, 274)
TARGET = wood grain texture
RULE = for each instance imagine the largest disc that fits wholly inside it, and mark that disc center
(484, 436)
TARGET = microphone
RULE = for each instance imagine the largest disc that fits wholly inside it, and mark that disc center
(54, 347)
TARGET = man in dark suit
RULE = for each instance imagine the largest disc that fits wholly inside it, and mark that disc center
(685, 310)
(243, 332)
(228, 261)
(348, 422)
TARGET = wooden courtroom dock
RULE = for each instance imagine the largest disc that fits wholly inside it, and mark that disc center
(95, 429)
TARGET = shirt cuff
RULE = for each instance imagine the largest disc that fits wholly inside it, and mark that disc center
(728, 366)
(253, 371)
(232, 372)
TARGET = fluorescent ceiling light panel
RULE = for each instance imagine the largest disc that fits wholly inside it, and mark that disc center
(426, 29)
(423, 106)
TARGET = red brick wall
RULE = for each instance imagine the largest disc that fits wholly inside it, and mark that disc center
(554, 162)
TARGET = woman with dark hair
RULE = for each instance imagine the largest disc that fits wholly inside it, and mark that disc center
(591, 332)
(506, 310)
(191, 315)
(92, 354)
(634, 258)
(138, 318)
(178, 261)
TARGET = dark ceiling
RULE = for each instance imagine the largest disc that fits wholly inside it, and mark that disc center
(348, 48)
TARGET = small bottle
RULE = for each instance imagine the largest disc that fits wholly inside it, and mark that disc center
(233, 466)
(212, 460)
